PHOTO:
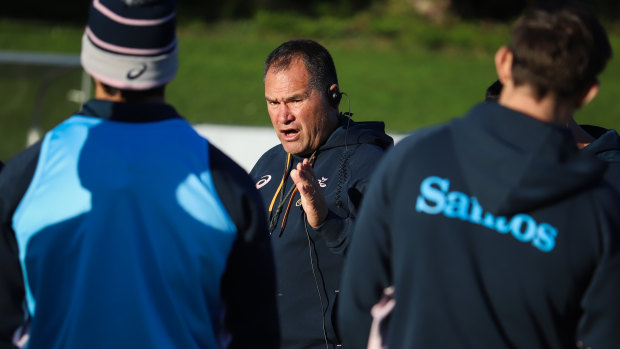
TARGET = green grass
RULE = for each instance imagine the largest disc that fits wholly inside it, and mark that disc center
(396, 68)
(22, 87)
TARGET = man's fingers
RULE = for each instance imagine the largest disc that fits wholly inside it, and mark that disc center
(304, 173)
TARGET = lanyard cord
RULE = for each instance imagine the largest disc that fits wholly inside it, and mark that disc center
(273, 217)
(288, 158)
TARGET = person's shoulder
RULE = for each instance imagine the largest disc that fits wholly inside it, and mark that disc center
(604, 203)
(606, 195)
(276, 150)
(18, 164)
(598, 131)
(272, 156)
(368, 133)
(237, 192)
(603, 198)
(420, 136)
(369, 150)
(222, 163)
(407, 154)
(606, 144)
(606, 147)
(16, 176)
(231, 181)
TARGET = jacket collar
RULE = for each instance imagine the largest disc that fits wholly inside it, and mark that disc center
(128, 112)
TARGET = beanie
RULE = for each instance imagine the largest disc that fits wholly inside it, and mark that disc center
(131, 44)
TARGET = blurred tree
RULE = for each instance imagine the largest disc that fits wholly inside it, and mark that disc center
(489, 9)
(317, 7)
(75, 11)
(216, 10)
(70, 11)
(508, 9)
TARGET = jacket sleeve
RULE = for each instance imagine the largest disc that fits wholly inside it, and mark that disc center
(337, 228)
(14, 180)
(367, 270)
(600, 321)
(248, 285)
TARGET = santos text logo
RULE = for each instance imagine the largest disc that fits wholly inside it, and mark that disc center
(435, 198)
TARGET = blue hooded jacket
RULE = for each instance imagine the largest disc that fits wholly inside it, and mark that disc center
(132, 231)
(495, 231)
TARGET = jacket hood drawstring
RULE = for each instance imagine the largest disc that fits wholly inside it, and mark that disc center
(273, 217)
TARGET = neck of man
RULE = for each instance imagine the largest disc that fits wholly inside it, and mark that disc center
(333, 123)
(547, 109)
(102, 94)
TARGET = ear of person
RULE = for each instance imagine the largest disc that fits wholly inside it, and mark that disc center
(334, 95)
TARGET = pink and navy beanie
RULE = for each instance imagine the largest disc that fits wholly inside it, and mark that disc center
(131, 44)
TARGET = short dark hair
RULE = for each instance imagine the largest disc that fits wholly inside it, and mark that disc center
(135, 96)
(316, 58)
(559, 49)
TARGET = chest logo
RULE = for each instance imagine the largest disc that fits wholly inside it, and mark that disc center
(322, 183)
(263, 180)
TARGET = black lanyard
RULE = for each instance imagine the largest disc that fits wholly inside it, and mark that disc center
(273, 217)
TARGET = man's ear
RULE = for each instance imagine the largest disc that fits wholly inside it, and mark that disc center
(334, 95)
(503, 64)
(589, 94)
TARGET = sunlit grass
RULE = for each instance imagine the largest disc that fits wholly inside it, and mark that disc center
(396, 68)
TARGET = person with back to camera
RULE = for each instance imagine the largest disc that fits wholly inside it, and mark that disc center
(494, 229)
(131, 230)
(312, 184)
(595, 140)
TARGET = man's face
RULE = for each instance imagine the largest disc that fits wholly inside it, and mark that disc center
(299, 114)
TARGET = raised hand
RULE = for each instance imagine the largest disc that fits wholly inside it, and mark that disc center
(312, 199)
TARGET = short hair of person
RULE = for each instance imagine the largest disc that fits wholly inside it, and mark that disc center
(316, 58)
(559, 49)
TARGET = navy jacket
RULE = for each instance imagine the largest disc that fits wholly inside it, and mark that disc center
(606, 147)
(132, 231)
(308, 261)
(496, 233)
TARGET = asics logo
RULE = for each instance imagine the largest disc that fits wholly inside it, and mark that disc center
(263, 180)
(136, 72)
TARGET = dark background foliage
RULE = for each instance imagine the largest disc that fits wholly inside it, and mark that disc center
(74, 11)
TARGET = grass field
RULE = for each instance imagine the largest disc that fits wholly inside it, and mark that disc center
(399, 69)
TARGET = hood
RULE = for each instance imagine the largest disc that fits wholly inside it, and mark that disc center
(515, 163)
(606, 146)
(351, 133)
